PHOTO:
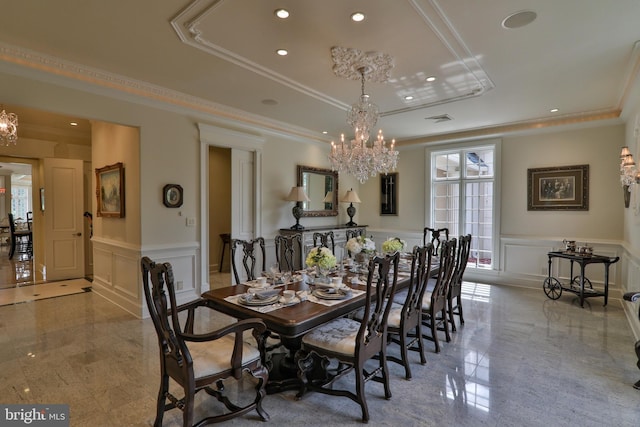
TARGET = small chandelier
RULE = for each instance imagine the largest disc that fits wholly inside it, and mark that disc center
(8, 128)
(361, 158)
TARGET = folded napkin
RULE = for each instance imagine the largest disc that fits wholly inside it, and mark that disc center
(266, 294)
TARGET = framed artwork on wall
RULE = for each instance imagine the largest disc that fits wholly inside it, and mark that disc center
(558, 188)
(110, 191)
(172, 195)
(389, 194)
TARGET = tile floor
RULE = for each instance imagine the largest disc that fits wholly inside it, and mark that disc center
(520, 360)
(25, 293)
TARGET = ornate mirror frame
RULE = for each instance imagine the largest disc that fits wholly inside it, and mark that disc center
(305, 174)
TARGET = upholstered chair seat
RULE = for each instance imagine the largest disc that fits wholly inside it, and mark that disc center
(211, 359)
(337, 336)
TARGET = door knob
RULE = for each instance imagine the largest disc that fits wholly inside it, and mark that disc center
(77, 234)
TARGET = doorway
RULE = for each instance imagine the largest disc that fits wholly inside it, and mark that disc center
(219, 216)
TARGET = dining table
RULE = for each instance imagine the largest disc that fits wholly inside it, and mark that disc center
(291, 321)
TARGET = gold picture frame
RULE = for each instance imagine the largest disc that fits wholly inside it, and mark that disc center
(558, 188)
(110, 191)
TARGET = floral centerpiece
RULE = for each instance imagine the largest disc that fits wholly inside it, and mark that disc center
(394, 244)
(321, 258)
(359, 244)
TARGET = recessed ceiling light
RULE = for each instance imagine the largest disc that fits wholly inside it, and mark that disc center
(282, 13)
(519, 19)
(324, 132)
(73, 123)
(408, 98)
(554, 110)
(357, 17)
(431, 79)
(282, 52)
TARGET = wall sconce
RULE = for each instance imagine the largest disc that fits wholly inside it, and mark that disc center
(629, 174)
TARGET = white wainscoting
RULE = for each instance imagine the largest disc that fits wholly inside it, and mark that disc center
(524, 261)
(119, 277)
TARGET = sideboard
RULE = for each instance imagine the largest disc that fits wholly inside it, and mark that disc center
(339, 235)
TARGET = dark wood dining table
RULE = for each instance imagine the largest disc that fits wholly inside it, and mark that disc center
(290, 323)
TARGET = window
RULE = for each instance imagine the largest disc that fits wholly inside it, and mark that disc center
(21, 191)
(462, 197)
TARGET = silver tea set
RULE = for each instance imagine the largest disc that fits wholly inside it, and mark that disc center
(570, 246)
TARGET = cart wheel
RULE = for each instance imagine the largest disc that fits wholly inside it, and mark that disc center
(552, 287)
(587, 283)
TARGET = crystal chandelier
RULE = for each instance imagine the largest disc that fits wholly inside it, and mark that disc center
(359, 157)
(8, 128)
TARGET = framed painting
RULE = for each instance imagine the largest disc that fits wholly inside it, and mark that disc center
(110, 191)
(558, 188)
(389, 194)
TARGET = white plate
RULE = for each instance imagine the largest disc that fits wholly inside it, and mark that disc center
(258, 302)
(256, 284)
(323, 294)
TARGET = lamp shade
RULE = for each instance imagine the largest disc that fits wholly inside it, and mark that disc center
(625, 152)
(350, 197)
(328, 198)
(297, 194)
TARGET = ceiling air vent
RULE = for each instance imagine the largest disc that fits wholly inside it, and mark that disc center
(441, 118)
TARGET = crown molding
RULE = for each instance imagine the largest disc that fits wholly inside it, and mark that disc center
(124, 88)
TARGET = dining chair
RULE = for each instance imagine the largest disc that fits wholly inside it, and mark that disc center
(289, 252)
(405, 315)
(454, 296)
(21, 240)
(253, 256)
(324, 239)
(352, 342)
(197, 361)
(355, 232)
(434, 301)
(435, 236)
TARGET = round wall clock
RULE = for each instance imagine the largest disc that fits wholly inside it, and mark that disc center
(172, 195)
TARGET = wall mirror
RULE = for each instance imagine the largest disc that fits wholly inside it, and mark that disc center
(321, 185)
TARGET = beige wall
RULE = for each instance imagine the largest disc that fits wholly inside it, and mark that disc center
(598, 147)
(112, 144)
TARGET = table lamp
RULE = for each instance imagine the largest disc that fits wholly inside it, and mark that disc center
(351, 197)
(297, 195)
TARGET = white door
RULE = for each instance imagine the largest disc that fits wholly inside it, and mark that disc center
(64, 223)
(243, 200)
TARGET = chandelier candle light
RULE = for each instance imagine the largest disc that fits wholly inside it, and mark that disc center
(361, 158)
(8, 128)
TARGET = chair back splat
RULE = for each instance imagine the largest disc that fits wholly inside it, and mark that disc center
(289, 252)
(323, 239)
(200, 361)
(253, 256)
(435, 236)
(352, 342)
(454, 297)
